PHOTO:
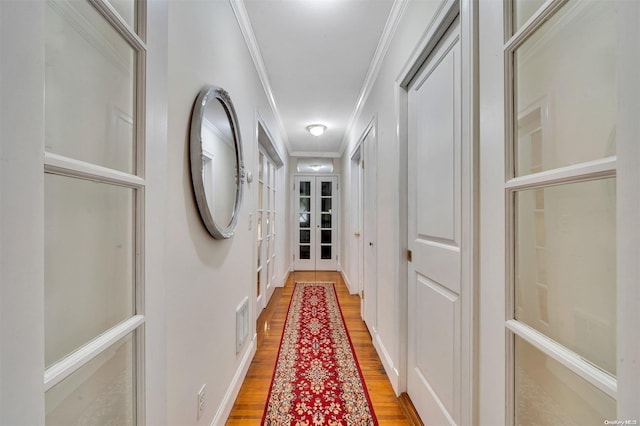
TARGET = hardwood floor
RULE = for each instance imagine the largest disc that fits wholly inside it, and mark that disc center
(249, 405)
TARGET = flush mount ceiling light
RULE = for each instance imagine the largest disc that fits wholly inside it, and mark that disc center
(316, 129)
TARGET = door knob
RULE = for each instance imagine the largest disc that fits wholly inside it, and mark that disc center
(357, 234)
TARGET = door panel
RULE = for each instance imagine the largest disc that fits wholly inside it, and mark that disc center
(434, 346)
(437, 167)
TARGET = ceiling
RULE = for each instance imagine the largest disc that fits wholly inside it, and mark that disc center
(316, 56)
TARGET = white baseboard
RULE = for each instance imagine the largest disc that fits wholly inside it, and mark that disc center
(352, 290)
(285, 278)
(234, 388)
(387, 363)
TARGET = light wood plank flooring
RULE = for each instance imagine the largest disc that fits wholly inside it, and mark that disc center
(249, 405)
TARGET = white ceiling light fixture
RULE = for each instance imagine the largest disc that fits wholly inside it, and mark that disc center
(316, 129)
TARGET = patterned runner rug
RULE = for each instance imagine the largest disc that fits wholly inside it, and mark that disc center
(317, 380)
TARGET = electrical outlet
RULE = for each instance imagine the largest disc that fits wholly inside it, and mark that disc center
(202, 399)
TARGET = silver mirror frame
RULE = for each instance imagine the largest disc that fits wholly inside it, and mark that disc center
(207, 95)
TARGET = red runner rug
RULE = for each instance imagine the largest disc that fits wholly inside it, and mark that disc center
(317, 380)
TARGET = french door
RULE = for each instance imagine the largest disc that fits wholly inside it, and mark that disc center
(316, 223)
(94, 203)
(565, 203)
(266, 228)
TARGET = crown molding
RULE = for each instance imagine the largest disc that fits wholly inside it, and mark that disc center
(397, 10)
(242, 17)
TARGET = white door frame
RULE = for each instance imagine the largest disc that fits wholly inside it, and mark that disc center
(356, 239)
(468, 11)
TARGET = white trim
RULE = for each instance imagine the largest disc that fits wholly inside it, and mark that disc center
(470, 168)
(67, 366)
(244, 23)
(234, 388)
(58, 164)
(573, 173)
(574, 362)
(396, 13)
(443, 18)
(118, 23)
(346, 280)
(270, 148)
(628, 199)
(387, 362)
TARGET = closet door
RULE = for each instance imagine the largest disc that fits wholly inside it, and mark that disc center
(316, 223)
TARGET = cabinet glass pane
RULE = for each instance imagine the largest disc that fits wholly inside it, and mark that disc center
(268, 253)
(305, 188)
(305, 204)
(326, 205)
(305, 220)
(268, 273)
(260, 191)
(89, 261)
(102, 392)
(326, 221)
(258, 282)
(325, 237)
(565, 266)
(548, 393)
(273, 223)
(325, 252)
(259, 253)
(260, 167)
(565, 89)
(126, 9)
(89, 87)
(267, 224)
(305, 236)
(259, 225)
(523, 10)
(326, 189)
(305, 252)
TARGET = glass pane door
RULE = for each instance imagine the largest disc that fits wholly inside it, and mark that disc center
(266, 228)
(94, 204)
(563, 321)
(316, 223)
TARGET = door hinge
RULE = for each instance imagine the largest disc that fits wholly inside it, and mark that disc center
(409, 255)
(362, 164)
(362, 294)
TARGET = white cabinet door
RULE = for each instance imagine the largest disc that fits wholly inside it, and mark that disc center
(316, 223)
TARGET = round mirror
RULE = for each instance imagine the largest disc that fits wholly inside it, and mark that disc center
(217, 171)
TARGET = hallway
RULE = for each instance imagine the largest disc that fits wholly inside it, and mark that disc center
(250, 403)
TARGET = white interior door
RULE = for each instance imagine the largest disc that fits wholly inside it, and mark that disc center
(316, 223)
(356, 263)
(369, 237)
(434, 235)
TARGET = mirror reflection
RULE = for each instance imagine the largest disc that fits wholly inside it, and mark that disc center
(217, 170)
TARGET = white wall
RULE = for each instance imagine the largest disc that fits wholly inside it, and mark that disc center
(206, 278)
(380, 103)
